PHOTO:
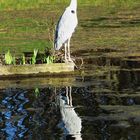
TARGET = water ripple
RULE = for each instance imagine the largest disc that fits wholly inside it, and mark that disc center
(14, 114)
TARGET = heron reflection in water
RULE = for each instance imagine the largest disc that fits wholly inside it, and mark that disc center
(71, 123)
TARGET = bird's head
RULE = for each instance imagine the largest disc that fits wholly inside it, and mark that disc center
(73, 5)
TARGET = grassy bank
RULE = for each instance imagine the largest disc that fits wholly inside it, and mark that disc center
(30, 4)
(26, 25)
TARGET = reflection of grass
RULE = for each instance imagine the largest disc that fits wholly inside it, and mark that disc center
(36, 92)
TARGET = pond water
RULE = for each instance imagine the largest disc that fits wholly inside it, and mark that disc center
(99, 102)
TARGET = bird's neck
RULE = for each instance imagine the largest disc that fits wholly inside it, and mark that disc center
(73, 4)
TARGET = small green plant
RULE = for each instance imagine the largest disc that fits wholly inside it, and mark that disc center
(8, 58)
(23, 59)
(49, 59)
(33, 59)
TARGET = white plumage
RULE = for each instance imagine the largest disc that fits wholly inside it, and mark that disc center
(65, 28)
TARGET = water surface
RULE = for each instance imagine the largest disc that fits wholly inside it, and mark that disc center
(100, 102)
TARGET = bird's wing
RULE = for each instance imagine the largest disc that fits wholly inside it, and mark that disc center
(65, 27)
(56, 30)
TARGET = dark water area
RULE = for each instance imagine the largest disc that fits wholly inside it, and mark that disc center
(101, 101)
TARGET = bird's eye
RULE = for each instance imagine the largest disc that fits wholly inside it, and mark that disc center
(72, 11)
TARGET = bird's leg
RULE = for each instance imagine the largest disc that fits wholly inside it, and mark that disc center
(69, 58)
(67, 94)
(70, 96)
(65, 45)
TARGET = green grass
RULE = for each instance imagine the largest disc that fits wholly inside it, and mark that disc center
(24, 32)
(114, 23)
(30, 4)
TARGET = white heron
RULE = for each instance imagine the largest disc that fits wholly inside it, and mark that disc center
(65, 28)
